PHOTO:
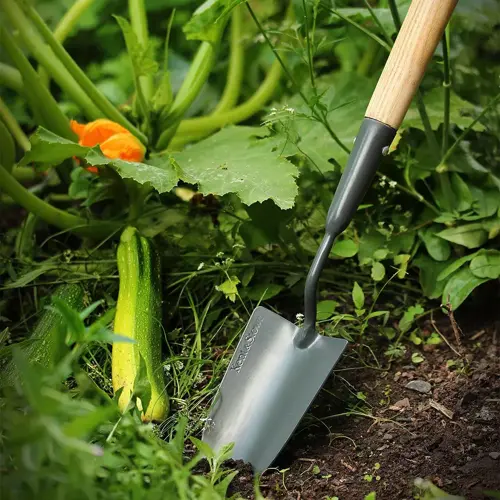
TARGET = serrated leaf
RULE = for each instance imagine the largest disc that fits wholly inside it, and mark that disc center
(469, 235)
(462, 112)
(486, 265)
(229, 288)
(460, 286)
(209, 19)
(49, 148)
(142, 58)
(234, 160)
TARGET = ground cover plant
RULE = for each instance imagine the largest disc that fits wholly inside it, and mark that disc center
(167, 165)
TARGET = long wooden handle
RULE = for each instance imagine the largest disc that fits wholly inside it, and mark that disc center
(416, 42)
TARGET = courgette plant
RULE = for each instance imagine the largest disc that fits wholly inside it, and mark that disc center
(135, 151)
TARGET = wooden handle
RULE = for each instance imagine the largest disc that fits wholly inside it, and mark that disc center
(417, 40)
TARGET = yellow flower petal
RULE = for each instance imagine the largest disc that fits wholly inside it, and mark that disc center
(124, 146)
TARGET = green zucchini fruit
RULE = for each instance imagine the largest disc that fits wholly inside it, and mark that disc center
(138, 316)
(45, 346)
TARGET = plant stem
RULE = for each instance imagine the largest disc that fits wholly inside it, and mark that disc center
(395, 14)
(461, 137)
(43, 105)
(447, 89)
(64, 28)
(321, 117)
(11, 123)
(139, 22)
(236, 61)
(378, 23)
(11, 78)
(59, 218)
(46, 57)
(23, 174)
(194, 127)
(309, 46)
(105, 107)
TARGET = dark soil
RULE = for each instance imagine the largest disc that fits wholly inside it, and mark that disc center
(450, 435)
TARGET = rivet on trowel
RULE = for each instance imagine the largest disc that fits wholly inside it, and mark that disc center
(385, 150)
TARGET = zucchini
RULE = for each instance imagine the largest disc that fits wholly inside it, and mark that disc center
(46, 345)
(138, 316)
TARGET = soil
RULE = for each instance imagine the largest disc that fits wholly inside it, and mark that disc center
(450, 435)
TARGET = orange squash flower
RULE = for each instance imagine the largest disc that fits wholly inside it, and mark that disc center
(114, 140)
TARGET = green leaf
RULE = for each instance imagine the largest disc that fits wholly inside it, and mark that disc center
(402, 261)
(74, 323)
(229, 288)
(462, 192)
(206, 20)
(469, 235)
(83, 425)
(409, 317)
(460, 286)
(371, 247)
(378, 271)
(50, 149)
(142, 58)
(486, 201)
(428, 275)
(238, 162)
(486, 265)
(438, 248)
(202, 447)
(264, 291)
(8, 149)
(163, 97)
(358, 296)
(326, 308)
(455, 265)
(345, 248)
(417, 358)
(434, 102)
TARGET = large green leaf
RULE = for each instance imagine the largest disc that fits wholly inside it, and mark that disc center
(460, 286)
(429, 271)
(49, 148)
(438, 248)
(486, 265)
(345, 97)
(238, 160)
(468, 235)
(460, 111)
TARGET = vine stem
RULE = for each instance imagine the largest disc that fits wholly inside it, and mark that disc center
(39, 50)
(461, 137)
(55, 216)
(320, 117)
(79, 77)
(11, 123)
(232, 88)
(139, 22)
(64, 28)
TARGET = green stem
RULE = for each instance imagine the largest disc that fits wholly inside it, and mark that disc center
(47, 58)
(90, 90)
(139, 22)
(378, 23)
(309, 46)
(447, 90)
(43, 105)
(59, 218)
(205, 125)
(395, 14)
(236, 61)
(11, 123)
(461, 137)
(197, 76)
(64, 28)
(11, 78)
(26, 174)
(363, 30)
(321, 117)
